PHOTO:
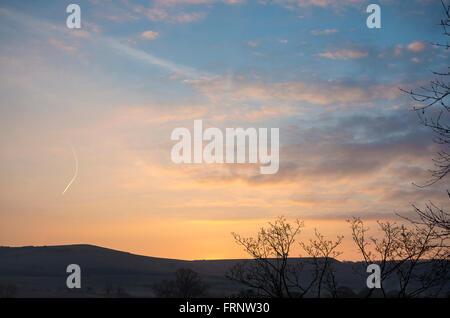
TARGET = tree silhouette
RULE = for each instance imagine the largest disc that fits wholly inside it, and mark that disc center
(323, 253)
(433, 109)
(272, 273)
(187, 284)
(433, 112)
(415, 257)
(8, 291)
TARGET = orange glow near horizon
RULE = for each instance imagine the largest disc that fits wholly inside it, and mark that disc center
(178, 239)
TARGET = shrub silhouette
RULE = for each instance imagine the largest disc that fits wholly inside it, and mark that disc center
(8, 291)
(187, 284)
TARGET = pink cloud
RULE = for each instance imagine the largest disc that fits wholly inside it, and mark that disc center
(225, 89)
(344, 54)
(398, 50)
(194, 2)
(291, 4)
(62, 46)
(188, 17)
(150, 35)
(417, 46)
(157, 14)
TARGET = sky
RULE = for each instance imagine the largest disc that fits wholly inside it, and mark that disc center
(108, 96)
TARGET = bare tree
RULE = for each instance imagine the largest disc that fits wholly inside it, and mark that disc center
(433, 109)
(413, 257)
(425, 269)
(433, 112)
(323, 253)
(272, 273)
(268, 271)
(434, 216)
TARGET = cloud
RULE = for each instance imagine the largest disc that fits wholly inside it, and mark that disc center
(229, 89)
(417, 46)
(62, 46)
(150, 35)
(324, 32)
(80, 33)
(121, 17)
(169, 10)
(169, 3)
(326, 3)
(253, 43)
(101, 42)
(293, 4)
(398, 50)
(158, 14)
(351, 157)
(344, 54)
(188, 17)
(113, 12)
(154, 114)
(155, 14)
(233, 1)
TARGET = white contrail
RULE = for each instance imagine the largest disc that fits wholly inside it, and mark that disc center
(76, 170)
(153, 60)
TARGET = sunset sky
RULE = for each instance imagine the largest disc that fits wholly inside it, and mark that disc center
(115, 90)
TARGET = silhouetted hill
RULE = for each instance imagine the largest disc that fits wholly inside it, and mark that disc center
(49, 260)
(44, 268)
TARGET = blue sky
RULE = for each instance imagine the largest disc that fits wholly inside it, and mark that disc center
(217, 40)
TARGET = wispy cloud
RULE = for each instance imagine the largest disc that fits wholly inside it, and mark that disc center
(62, 46)
(228, 89)
(293, 4)
(324, 32)
(344, 54)
(195, 2)
(188, 17)
(168, 11)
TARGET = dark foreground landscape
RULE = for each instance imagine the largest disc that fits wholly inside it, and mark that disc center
(41, 272)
